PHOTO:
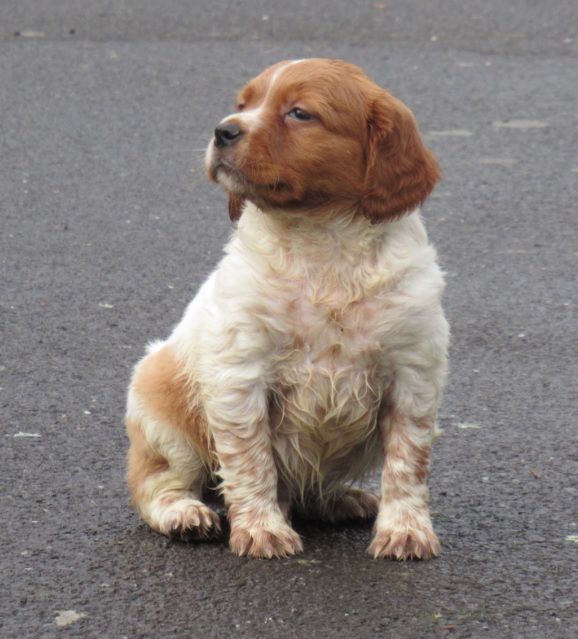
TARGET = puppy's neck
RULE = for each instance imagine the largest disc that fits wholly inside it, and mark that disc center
(317, 236)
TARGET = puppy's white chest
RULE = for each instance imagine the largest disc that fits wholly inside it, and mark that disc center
(329, 374)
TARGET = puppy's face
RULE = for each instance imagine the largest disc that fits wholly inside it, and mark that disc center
(318, 134)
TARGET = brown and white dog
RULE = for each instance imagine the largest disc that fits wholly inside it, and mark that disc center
(316, 350)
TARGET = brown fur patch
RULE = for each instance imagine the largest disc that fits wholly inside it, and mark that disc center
(416, 456)
(170, 397)
(401, 172)
(142, 460)
(164, 390)
(236, 204)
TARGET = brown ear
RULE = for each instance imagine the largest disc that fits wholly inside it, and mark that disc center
(236, 203)
(400, 171)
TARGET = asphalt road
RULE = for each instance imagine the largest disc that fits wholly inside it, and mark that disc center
(108, 225)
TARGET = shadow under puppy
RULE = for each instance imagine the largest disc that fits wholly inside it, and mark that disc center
(316, 350)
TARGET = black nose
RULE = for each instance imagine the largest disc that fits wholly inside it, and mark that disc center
(227, 134)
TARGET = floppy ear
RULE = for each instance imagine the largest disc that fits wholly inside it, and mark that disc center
(400, 171)
(236, 203)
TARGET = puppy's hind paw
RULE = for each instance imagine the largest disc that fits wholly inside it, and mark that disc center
(353, 504)
(186, 519)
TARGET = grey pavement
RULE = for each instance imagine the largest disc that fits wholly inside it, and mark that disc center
(108, 225)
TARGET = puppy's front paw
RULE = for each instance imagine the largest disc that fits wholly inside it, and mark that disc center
(266, 540)
(405, 543)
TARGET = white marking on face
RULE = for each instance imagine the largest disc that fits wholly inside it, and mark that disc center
(252, 117)
(249, 118)
(229, 182)
(278, 73)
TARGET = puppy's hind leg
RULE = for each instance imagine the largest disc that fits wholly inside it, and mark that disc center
(169, 454)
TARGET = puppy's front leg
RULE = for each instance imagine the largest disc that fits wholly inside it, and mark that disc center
(403, 528)
(238, 418)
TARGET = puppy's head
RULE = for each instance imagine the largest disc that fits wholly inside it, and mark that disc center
(318, 134)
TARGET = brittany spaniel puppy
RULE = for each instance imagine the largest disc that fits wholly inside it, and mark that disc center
(316, 350)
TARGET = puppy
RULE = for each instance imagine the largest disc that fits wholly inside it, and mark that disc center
(316, 350)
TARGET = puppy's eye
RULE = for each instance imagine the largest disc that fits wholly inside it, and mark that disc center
(299, 114)
(240, 106)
